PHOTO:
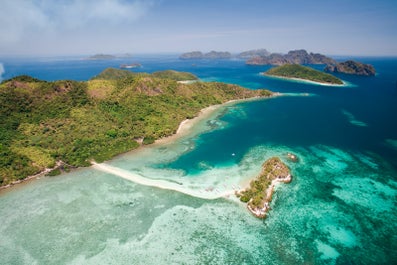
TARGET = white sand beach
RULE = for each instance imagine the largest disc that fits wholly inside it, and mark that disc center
(161, 184)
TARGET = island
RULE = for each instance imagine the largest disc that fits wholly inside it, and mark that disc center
(253, 53)
(101, 56)
(53, 126)
(352, 68)
(292, 57)
(304, 73)
(259, 194)
(213, 55)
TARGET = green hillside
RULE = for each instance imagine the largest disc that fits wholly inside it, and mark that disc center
(74, 122)
(303, 72)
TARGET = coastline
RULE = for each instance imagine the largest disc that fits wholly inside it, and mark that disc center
(33, 177)
(300, 80)
(184, 129)
(186, 125)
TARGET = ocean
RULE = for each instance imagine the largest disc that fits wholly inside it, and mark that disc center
(339, 208)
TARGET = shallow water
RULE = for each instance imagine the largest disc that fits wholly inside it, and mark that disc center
(339, 208)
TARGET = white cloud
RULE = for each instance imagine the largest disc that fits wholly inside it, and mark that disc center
(18, 17)
(27, 18)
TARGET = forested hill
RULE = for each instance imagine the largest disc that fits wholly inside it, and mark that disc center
(74, 122)
(304, 73)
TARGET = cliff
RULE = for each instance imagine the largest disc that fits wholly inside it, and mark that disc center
(351, 67)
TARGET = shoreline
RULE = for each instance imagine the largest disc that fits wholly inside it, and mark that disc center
(301, 80)
(184, 129)
(28, 179)
(162, 184)
(186, 125)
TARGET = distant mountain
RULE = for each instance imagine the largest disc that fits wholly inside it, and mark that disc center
(253, 53)
(195, 55)
(292, 57)
(101, 57)
(351, 67)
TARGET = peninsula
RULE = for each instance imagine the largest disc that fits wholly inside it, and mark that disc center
(304, 73)
(259, 194)
(47, 125)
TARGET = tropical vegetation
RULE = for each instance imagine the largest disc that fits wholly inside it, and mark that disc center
(303, 72)
(256, 194)
(42, 123)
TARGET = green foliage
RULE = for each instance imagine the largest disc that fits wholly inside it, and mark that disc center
(148, 140)
(256, 194)
(113, 73)
(76, 122)
(303, 72)
(174, 75)
(54, 173)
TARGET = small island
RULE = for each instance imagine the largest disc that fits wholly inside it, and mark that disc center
(101, 57)
(352, 68)
(259, 194)
(304, 73)
(212, 55)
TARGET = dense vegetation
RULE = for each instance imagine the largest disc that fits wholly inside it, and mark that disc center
(45, 122)
(303, 72)
(256, 194)
(174, 75)
(113, 73)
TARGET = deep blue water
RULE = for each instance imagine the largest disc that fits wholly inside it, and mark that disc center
(340, 208)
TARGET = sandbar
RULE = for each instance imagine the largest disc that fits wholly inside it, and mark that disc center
(162, 184)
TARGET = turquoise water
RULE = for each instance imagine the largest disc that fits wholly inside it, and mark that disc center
(339, 209)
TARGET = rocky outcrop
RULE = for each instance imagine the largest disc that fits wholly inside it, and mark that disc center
(351, 67)
(292, 57)
(196, 55)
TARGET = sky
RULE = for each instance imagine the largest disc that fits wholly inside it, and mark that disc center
(76, 27)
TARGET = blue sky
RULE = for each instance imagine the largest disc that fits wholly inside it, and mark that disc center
(63, 27)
